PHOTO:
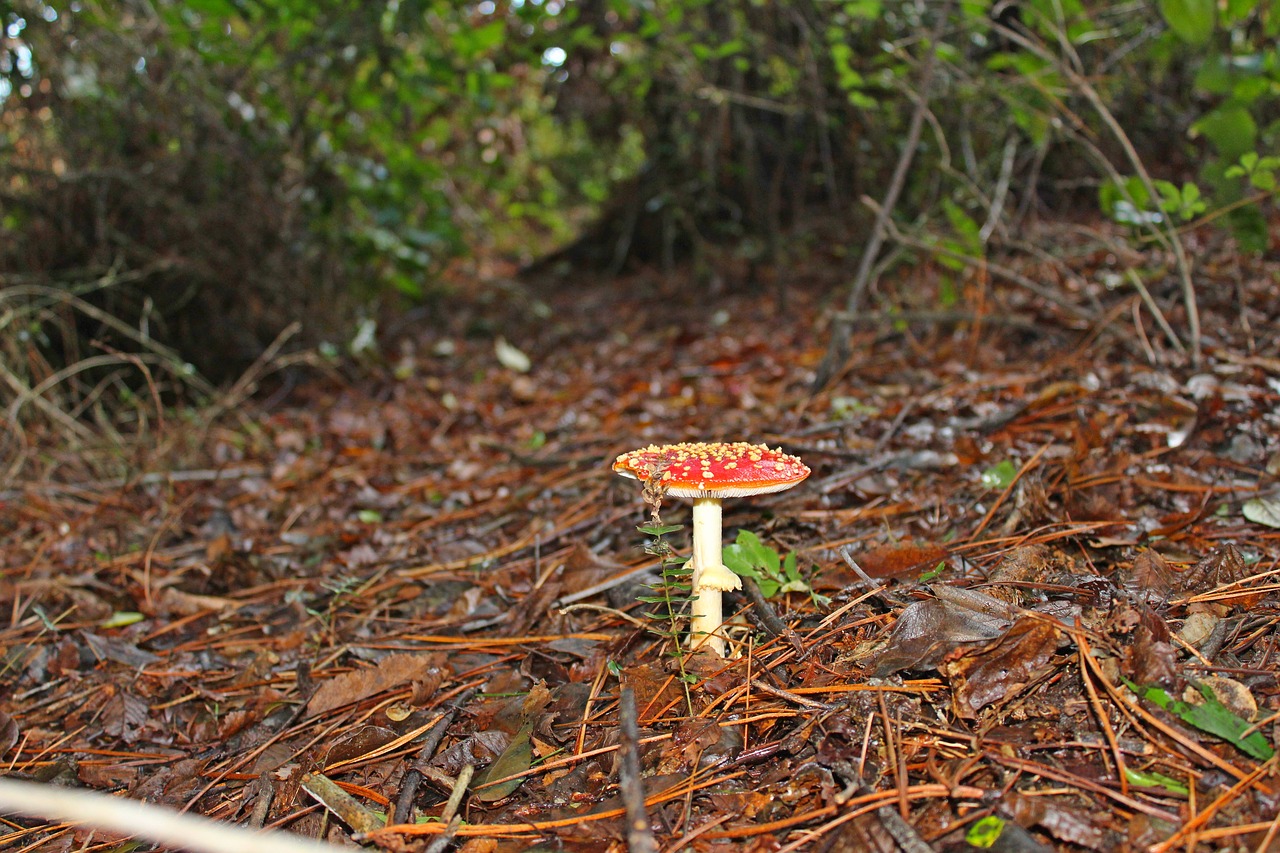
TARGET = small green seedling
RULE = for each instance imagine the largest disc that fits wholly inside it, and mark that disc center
(1000, 475)
(748, 557)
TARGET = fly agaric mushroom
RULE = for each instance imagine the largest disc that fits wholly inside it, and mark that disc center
(708, 473)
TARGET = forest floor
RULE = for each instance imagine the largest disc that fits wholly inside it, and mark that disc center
(1038, 577)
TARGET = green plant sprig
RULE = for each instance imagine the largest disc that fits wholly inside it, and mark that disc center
(673, 594)
(748, 557)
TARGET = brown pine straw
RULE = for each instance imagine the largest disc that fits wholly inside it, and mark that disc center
(862, 805)
(1104, 721)
(1189, 832)
(1035, 768)
(1008, 490)
(1272, 829)
(1130, 707)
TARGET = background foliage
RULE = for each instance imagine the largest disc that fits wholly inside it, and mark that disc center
(182, 180)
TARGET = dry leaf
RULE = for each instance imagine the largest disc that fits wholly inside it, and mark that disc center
(392, 671)
(900, 561)
(927, 630)
(1004, 669)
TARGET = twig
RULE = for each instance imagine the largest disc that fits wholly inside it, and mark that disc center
(639, 832)
(413, 778)
(446, 837)
(1169, 237)
(765, 687)
(1150, 302)
(459, 791)
(606, 585)
(870, 582)
(996, 210)
(141, 820)
(612, 611)
(991, 267)
(838, 345)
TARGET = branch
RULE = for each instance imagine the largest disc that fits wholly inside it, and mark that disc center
(140, 820)
(836, 348)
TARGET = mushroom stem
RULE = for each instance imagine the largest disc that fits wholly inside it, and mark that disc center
(710, 577)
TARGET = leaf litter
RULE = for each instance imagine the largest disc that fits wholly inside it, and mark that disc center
(1063, 618)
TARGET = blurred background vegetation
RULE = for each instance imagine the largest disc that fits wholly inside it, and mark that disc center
(181, 181)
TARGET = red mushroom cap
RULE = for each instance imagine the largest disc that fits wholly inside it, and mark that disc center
(714, 469)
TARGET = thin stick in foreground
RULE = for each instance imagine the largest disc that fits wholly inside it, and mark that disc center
(140, 820)
(639, 833)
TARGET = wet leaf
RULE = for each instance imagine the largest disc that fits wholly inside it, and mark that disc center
(1001, 671)
(356, 743)
(8, 733)
(517, 757)
(1150, 578)
(477, 749)
(1072, 825)
(1151, 659)
(123, 715)
(1265, 511)
(1220, 567)
(127, 654)
(900, 561)
(927, 630)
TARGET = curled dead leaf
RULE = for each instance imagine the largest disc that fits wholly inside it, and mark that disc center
(927, 630)
(392, 671)
(1001, 671)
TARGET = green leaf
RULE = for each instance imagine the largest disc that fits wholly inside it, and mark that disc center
(1230, 129)
(965, 227)
(516, 758)
(1237, 10)
(933, 573)
(1250, 228)
(1212, 717)
(1149, 779)
(789, 569)
(757, 553)
(985, 832)
(659, 530)
(121, 619)
(1191, 20)
(736, 560)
